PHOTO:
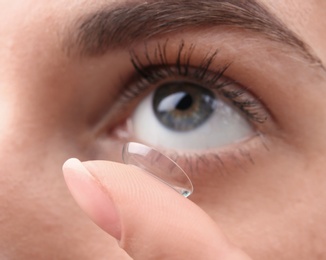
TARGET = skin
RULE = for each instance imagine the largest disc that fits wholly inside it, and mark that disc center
(54, 107)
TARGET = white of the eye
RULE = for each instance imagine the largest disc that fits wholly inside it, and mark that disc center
(225, 126)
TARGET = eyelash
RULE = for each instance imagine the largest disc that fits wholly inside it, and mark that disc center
(158, 69)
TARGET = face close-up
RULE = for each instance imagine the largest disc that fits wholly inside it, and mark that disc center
(234, 91)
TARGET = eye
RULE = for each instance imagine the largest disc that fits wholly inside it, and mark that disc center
(183, 115)
(184, 105)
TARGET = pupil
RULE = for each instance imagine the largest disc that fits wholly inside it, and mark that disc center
(185, 103)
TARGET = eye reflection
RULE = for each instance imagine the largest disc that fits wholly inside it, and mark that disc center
(183, 106)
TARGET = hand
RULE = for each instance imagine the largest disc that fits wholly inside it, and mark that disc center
(149, 219)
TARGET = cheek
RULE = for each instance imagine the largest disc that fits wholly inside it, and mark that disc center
(33, 194)
(272, 207)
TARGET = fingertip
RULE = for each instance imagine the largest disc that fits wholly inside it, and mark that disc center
(71, 164)
(92, 197)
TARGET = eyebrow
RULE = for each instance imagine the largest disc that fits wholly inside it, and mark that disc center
(124, 24)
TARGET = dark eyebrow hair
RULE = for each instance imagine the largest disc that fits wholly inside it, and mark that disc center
(123, 24)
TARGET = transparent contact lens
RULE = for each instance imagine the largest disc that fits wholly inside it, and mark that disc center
(158, 165)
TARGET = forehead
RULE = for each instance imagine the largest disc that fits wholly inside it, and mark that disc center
(75, 6)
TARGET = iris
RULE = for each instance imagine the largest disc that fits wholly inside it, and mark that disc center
(183, 106)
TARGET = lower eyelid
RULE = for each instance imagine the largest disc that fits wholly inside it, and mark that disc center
(221, 161)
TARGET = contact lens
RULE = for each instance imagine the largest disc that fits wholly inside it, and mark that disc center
(158, 165)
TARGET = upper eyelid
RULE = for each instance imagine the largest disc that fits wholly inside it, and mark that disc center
(182, 61)
(144, 61)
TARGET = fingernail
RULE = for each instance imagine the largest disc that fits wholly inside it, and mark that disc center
(91, 197)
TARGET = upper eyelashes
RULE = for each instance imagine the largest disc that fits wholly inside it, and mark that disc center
(156, 68)
(180, 67)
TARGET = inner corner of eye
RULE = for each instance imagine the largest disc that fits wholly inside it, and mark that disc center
(185, 115)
